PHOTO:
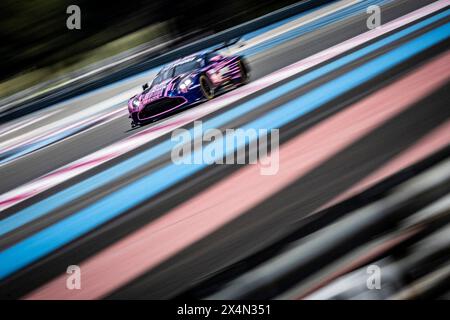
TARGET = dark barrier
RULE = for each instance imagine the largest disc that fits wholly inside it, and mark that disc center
(331, 243)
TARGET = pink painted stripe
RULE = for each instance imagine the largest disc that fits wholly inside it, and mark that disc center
(211, 209)
(432, 142)
(44, 183)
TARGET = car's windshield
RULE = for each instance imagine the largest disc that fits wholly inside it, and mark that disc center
(162, 76)
(176, 71)
(186, 67)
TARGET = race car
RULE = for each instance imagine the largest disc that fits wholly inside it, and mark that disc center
(187, 82)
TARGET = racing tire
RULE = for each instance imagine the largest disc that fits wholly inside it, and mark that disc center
(206, 87)
(245, 75)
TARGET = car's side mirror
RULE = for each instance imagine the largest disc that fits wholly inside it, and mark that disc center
(145, 86)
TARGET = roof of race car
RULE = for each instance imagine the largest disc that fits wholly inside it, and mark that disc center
(183, 60)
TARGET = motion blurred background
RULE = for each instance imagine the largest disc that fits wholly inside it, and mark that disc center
(37, 46)
(364, 179)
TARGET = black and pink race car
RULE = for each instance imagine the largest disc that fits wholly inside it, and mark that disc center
(186, 82)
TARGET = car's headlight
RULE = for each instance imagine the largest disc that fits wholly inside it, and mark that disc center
(135, 102)
(184, 86)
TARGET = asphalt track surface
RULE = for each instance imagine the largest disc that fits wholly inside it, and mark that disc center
(340, 132)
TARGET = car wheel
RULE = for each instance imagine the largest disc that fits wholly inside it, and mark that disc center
(206, 87)
(245, 76)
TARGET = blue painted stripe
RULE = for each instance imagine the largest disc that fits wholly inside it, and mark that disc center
(312, 26)
(61, 198)
(114, 204)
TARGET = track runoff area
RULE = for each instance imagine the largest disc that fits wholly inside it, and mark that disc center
(332, 108)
